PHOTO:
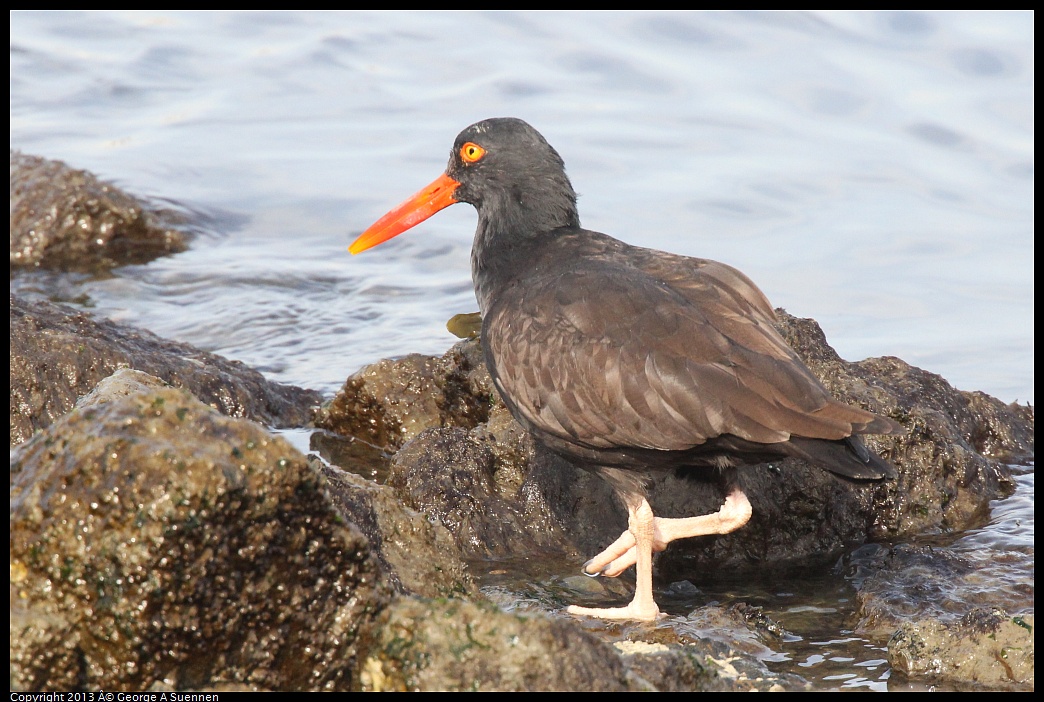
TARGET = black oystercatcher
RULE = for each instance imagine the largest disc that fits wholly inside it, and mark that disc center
(626, 360)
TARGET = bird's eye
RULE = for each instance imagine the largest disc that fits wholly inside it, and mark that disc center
(472, 152)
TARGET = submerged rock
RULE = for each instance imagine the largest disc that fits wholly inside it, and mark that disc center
(946, 617)
(903, 582)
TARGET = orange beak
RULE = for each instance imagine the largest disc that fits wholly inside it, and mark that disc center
(435, 197)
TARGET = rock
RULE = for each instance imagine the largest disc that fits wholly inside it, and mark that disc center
(714, 648)
(68, 219)
(58, 354)
(155, 541)
(417, 556)
(986, 649)
(391, 401)
(657, 667)
(454, 477)
(938, 609)
(905, 581)
(457, 646)
(952, 458)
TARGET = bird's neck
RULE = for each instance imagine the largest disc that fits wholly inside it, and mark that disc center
(511, 235)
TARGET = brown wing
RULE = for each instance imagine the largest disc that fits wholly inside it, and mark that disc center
(653, 350)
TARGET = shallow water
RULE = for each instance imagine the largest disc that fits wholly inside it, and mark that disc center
(871, 170)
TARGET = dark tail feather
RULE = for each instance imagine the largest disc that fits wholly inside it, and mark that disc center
(847, 457)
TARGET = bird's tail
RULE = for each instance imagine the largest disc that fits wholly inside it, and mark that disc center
(848, 457)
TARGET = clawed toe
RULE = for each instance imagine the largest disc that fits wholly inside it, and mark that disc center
(588, 573)
(633, 611)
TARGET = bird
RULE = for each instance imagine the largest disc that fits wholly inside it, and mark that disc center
(627, 361)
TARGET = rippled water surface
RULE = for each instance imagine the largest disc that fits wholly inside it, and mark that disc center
(871, 170)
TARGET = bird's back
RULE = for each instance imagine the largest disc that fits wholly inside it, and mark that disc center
(609, 352)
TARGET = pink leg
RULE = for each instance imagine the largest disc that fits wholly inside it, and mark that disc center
(643, 607)
(622, 554)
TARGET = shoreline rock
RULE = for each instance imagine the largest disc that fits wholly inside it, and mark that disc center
(154, 540)
(59, 354)
(68, 219)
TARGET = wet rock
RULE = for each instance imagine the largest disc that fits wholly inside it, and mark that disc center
(392, 401)
(908, 581)
(938, 609)
(464, 646)
(898, 582)
(951, 460)
(58, 354)
(657, 667)
(453, 476)
(475, 646)
(68, 219)
(713, 648)
(418, 556)
(156, 542)
(987, 648)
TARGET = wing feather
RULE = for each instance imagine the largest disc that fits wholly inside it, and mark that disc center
(637, 348)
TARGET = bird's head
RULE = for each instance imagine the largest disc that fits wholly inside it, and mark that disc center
(503, 167)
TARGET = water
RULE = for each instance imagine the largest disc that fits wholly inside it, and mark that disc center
(871, 170)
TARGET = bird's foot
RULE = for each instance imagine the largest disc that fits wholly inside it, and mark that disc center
(621, 554)
(633, 611)
(603, 562)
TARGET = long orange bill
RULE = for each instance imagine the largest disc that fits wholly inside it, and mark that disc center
(435, 197)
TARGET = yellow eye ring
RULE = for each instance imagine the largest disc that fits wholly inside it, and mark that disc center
(471, 152)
